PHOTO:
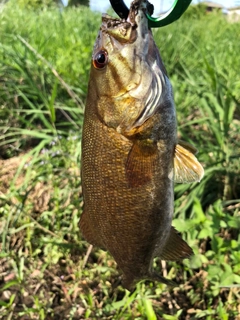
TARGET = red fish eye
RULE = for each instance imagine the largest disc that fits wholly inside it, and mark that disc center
(100, 59)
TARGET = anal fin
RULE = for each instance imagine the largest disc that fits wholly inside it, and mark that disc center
(87, 230)
(175, 248)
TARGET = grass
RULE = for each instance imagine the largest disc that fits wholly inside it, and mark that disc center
(47, 271)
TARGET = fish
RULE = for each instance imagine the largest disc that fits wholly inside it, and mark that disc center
(131, 155)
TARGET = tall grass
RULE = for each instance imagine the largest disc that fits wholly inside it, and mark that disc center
(30, 87)
(46, 270)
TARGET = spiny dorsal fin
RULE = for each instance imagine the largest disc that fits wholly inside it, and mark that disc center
(175, 248)
(141, 163)
(186, 168)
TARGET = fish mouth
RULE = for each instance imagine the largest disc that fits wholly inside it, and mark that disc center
(121, 30)
(124, 30)
(122, 10)
(136, 6)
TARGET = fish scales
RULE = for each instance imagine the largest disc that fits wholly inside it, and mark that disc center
(132, 236)
(128, 148)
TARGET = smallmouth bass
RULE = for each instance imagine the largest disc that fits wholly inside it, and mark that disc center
(131, 156)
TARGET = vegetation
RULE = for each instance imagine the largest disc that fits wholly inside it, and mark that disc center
(47, 271)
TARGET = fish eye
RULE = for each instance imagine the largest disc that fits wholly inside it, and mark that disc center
(100, 59)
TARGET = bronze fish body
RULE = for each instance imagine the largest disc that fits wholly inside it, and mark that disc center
(130, 152)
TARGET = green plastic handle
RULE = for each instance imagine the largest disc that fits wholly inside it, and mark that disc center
(173, 14)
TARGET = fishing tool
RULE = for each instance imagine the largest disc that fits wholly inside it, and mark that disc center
(173, 14)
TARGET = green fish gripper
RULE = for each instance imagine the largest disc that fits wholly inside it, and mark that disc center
(173, 14)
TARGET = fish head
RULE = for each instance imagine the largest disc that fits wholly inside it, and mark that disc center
(127, 73)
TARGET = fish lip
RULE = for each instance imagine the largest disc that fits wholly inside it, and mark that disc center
(121, 30)
(128, 30)
(109, 22)
(136, 7)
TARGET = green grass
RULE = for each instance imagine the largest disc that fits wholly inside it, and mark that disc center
(47, 271)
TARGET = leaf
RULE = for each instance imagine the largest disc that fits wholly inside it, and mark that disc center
(9, 285)
(52, 100)
(149, 309)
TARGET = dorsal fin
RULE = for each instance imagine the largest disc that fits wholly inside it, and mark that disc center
(186, 169)
(141, 162)
(175, 248)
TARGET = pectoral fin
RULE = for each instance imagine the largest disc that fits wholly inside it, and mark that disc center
(186, 168)
(176, 248)
(188, 146)
(141, 163)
